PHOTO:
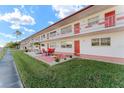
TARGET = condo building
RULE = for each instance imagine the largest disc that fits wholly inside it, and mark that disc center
(94, 32)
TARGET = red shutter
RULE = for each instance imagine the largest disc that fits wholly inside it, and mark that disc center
(110, 19)
(77, 28)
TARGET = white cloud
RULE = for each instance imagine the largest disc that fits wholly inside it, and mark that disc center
(15, 26)
(2, 42)
(17, 19)
(28, 30)
(7, 35)
(50, 22)
(65, 10)
(2, 45)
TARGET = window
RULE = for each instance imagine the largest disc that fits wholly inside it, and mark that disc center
(53, 34)
(66, 30)
(69, 46)
(101, 41)
(47, 35)
(95, 42)
(42, 45)
(93, 20)
(110, 19)
(105, 41)
(65, 44)
(42, 36)
(53, 45)
(37, 39)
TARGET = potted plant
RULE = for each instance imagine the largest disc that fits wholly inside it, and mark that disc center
(70, 56)
(57, 59)
(65, 58)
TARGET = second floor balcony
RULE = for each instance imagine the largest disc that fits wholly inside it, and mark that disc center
(109, 21)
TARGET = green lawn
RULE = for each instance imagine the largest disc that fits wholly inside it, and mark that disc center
(75, 73)
(2, 53)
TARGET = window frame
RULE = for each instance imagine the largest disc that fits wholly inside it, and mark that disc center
(66, 30)
(93, 21)
(110, 19)
(96, 41)
(42, 37)
(106, 41)
(66, 44)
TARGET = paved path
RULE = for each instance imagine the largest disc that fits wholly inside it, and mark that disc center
(9, 77)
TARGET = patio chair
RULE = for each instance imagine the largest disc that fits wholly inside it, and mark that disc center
(44, 51)
(51, 51)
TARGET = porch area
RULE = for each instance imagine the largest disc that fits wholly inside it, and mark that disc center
(51, 58)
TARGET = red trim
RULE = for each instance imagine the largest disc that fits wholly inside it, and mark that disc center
(71, 15)
(64, 53)
(100, 58)
(103, 58)
(120, 18)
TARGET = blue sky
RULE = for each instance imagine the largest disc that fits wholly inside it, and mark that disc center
(30, 19)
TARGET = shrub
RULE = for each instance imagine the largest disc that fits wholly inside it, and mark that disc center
(57, 59)
(65, 58)
(26, 50)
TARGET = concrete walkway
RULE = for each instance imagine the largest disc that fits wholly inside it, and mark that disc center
(9, 77)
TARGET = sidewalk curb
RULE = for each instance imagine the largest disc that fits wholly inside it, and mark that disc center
(18, 75)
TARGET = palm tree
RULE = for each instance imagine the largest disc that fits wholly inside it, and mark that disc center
(18, 33)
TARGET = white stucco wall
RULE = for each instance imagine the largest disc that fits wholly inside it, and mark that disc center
(115, 50)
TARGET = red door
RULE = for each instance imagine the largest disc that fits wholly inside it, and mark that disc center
(77, 47)
(110, 19)
(77, 28)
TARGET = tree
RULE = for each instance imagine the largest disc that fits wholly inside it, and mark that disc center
(18, 33)
(13, 45)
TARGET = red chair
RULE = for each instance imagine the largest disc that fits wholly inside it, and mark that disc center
(51, 51)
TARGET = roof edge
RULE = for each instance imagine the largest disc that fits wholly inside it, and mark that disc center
(60, 20)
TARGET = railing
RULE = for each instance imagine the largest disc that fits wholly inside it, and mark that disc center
(101, 25)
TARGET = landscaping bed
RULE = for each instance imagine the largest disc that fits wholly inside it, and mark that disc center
(75, 73)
